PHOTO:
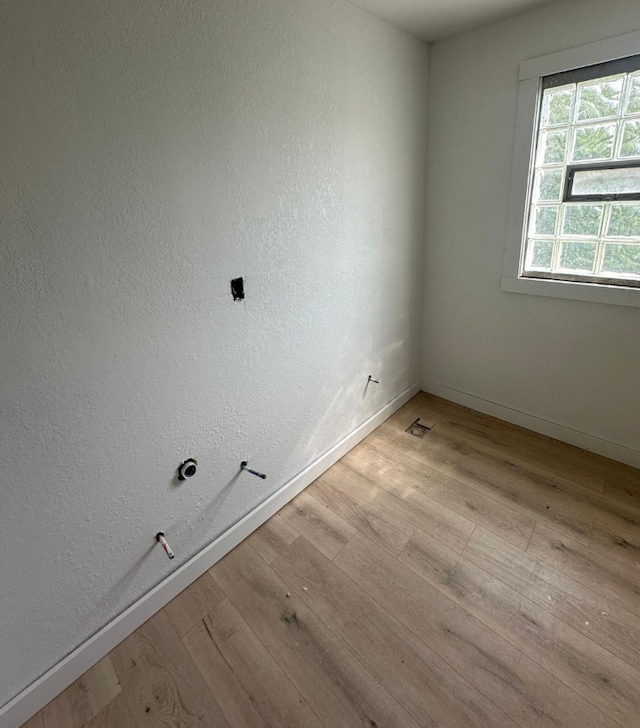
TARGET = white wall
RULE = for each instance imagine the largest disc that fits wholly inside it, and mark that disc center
(572, 363)
(150, 153)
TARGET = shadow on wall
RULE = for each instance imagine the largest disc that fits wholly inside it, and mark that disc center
(309, 445)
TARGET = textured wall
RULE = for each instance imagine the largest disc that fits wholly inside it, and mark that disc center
(151, 151)
(571, 362)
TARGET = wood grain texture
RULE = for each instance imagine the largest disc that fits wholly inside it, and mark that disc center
(368, 517)
(273, 537)
(477, 507)
(418, 677)
(620, 542)
(251, 687)
(613, 627)
(623, 484)
(553, 456)
(115, 715)
(338, 687)
(593, 672)
(324, 528)
(238, 705)
(80, 702)
(522, 688)
(195, 602)
(400, 498)
(533, 495)
(482, 577)
(160, 681)
(600, 573)
(457, 429)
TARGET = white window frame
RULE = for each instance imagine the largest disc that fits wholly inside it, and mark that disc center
(531, 73)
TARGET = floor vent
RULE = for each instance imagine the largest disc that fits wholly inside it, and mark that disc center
(417, 429)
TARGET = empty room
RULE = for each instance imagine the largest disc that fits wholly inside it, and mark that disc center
(319, 364)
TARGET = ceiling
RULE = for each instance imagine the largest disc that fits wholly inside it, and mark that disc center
(438, 19)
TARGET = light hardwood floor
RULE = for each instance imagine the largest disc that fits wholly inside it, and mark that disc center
(480, 576)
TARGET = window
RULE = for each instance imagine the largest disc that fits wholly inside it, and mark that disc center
(574, 227)
(584, 216)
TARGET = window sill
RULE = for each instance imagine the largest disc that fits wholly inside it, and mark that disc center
(594, 292)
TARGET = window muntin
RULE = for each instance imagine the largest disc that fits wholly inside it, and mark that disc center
(584, 212)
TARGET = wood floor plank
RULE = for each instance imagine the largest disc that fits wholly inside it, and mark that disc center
(605, 622)
(325, 529)
(623, 493)
(84, 698)
(272, 537)
(530, 449)
(379, 523)
(557, 456)
(404, 501)
(338, 688)
(193, 603)
(523, 689)
(532, 495)
(474, 505)
(250, 687)
(431, 690)
(600, 573)
(619, 541)
(605, 505)
(600, 677)
(546, 472)
(440, 443)
(623, 483)
(565, 467)
(236, 703)
(160, 681)
(613, 511)
(115, 714)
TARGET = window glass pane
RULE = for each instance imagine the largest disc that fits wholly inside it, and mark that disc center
(582, 220)
(601, 99)
(624, 221)
(544, 220)
(606, 181)
(540, 254)
(556, 105)
(549, 184)
(622, 260)
(630, 146)
(633, 104)
(554, 147)
(578, 257)
(594, 142)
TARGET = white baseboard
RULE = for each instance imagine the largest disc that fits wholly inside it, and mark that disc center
(54, 681)
(537, 424)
